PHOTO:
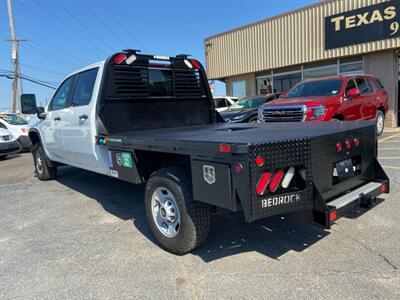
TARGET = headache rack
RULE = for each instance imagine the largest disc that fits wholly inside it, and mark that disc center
(134, 75)
(143, 92)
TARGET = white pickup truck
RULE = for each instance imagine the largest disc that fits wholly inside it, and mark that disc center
(151, 119)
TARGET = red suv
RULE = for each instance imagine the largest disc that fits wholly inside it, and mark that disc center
(343, 98)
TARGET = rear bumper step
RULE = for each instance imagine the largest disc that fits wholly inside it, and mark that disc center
(369, 190)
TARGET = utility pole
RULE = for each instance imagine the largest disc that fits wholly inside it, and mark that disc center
(14, 55)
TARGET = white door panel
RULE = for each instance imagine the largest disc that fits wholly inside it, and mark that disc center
(51, 134)
(78, 130)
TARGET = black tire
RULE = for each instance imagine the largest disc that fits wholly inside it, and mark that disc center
(2, 157)
(43, 170)
(380, 117)
(253, 120)
(194, 216)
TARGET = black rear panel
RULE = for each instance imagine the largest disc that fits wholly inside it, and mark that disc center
(281, 155)
(326, 158)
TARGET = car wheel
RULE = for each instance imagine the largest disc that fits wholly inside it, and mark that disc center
(253, 120)
(179, 223)
(380, 122)
(43, 170)
(2, 157)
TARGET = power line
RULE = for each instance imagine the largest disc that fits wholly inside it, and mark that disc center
(28, 79)
(43, 70)
(93, 48)
(33, 36)
(108, 9)
(48, 57)
(84, 25)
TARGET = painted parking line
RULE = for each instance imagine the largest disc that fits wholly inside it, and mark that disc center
(390, 167)
(383, 157)
(388, 149)
(389, 138)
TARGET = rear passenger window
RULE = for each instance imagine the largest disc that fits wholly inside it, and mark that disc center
(84, 88)
(220, 103)
(363, 86)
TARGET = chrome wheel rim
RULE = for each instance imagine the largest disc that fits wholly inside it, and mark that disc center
(165, 212)
(379, 123)
(39, 163)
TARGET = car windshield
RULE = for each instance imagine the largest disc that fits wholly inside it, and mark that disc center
(247, 103)
(13, 119)
(319, 88)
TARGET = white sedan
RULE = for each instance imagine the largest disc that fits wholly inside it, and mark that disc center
(222, 103)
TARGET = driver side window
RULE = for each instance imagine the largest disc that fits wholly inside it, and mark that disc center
(351, 84)
(61, 96)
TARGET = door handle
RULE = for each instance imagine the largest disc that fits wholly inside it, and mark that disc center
(57, 119)
(83, 117)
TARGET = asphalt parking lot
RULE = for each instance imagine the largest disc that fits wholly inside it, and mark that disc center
(85, 236)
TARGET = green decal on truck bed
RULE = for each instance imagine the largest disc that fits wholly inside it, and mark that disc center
(124, 159)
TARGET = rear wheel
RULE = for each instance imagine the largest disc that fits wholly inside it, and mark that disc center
(43, 170)
(380, 122)
(2, 157)
(253, 120)
(178, 222)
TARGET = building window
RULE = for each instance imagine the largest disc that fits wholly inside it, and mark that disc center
(239, 89)
(319, 72)
(284, 82)
(351, 67)
(264, 85)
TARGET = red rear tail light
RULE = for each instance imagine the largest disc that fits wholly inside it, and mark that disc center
(195, 64)
(356, 142)
(224, 148)
(263, 183)
(276, 181)
(332, 215)
(348, 144)
(385, 187)
(238, 168)
(260, 161)
(119, 58)
(339, 147)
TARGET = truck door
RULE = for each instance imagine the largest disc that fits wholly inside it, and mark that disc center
(51, 127)
(79, 121)
(366, 98)
(351, 108)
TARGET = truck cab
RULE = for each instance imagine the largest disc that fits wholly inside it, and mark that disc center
(342, 98)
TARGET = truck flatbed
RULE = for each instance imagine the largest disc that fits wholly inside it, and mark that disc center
(205, 137)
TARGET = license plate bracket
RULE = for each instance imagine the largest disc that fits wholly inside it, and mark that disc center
(345, 169)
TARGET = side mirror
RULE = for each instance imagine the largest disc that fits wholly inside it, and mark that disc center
(353, 93)
(28, 104)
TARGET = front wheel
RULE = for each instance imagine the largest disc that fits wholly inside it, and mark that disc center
(253, 120)
(2, 157)
(179, 223)
(380, 122)
(43, 170)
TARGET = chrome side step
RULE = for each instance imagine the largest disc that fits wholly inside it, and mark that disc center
(355, 195)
